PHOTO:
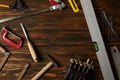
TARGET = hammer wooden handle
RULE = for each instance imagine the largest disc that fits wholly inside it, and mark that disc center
(3, 61)
(32, 51)
(42, 71)
(7, 54)
(23, 71)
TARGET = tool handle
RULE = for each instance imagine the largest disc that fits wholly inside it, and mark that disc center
(42, 71)
(32, 51)
(23, 71)
(74, 5)
(13, 44)
(3, 61)
(2, 49)
(5, 6)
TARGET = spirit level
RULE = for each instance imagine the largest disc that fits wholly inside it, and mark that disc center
(97, 39)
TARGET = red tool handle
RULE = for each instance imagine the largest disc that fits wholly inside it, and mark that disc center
(11, 43)
(53, 2)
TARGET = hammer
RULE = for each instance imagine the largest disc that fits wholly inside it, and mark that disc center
(39, 74)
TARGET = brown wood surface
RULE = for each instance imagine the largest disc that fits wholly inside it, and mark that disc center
(62, 34)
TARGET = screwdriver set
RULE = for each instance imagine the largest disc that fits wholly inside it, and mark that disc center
(78, 70)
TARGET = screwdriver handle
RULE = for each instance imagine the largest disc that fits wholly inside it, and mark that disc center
(5, 6)
(2, 49)
(32, 51)
(74, 5)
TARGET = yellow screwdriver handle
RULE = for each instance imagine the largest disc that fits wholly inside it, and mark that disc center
(5, 6)
(74, 5)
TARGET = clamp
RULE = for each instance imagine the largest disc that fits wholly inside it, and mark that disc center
(4, 34)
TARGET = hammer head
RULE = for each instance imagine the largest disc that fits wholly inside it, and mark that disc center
(53, 61)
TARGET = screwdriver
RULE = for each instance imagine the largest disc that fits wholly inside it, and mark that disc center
(30, 46)
(84, 68)
(70, 66)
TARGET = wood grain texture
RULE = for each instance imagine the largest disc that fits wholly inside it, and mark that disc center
(61, 34)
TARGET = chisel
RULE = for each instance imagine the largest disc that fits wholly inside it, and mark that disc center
(30, 46)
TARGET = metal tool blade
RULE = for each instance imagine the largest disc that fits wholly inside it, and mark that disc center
(24, 31)
(59, 6)
(23, 15)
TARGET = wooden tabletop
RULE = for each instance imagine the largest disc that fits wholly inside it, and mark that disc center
(61, 34)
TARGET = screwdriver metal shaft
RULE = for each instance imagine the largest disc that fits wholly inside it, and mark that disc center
(30, 46)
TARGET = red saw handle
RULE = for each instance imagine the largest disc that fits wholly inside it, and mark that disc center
(11, 43)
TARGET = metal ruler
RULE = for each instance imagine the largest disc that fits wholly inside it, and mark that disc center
(97, 39)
